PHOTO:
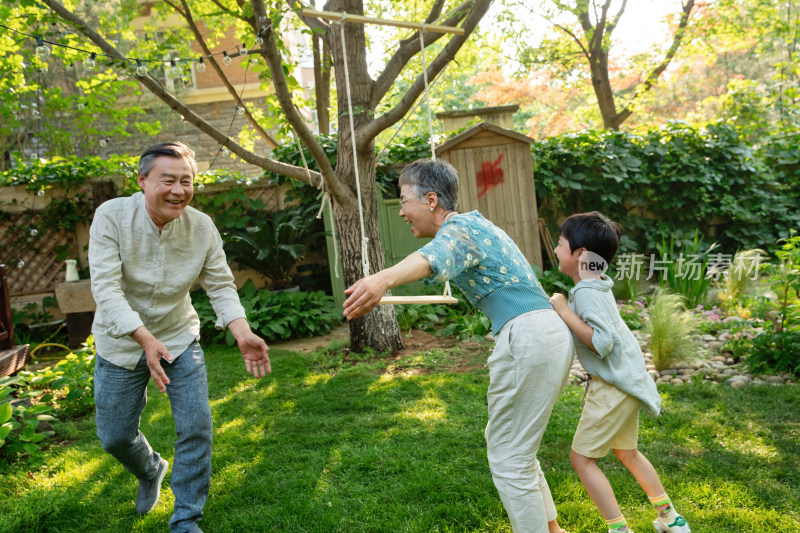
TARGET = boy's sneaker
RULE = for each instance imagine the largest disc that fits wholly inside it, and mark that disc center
(150, 489)
(678, 526)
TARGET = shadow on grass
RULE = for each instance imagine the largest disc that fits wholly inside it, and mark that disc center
(353, 451)
(321, 447)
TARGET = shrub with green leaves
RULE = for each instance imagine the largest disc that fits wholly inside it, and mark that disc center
(671, 328)
(462, 320)
(30, 400)
(675, 179)
(775, 352)
(553, 280)
(273, 315)
(633, 313)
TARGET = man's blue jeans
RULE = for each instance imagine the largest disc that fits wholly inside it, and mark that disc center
(120, 396)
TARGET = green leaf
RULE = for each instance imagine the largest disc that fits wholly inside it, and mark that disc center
(5, 412)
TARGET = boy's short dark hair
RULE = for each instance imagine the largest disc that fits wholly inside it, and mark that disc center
(593, 231)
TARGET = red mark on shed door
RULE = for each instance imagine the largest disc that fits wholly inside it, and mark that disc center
(490, 175)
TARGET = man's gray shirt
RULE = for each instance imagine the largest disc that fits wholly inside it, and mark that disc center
(142, 278)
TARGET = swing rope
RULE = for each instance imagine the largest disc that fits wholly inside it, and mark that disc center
(427, 96)
(447, 292)
(326, 198)
(364, 240)
(447, 296)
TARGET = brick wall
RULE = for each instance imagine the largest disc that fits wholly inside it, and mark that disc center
(218, 114)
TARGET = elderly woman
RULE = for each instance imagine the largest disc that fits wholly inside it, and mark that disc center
(534, 348)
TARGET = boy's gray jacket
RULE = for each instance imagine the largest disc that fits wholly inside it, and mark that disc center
(619, 359)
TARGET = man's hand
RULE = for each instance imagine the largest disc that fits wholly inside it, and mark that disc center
(254, 350)
(364, 295)
(154, 350)
(559, 303)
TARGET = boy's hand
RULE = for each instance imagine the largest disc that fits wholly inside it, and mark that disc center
(559, 303)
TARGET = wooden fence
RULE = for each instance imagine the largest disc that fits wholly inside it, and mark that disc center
(35, 263)
(32, 261)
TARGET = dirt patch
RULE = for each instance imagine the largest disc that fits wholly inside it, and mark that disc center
(471, 355)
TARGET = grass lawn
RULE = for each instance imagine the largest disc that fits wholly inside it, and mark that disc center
(358, 443)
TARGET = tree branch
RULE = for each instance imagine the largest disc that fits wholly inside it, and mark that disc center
(370, 130)
(341, 194)
(187, 15)
(613, 24)
(658, 70)
(312, 22)
(157, 89)
(223, 8)
(410, 46)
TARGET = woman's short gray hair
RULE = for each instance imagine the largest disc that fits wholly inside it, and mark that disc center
(174, 149)
(426, 175)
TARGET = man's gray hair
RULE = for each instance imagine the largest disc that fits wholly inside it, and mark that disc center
(426, 175)
(175, 149)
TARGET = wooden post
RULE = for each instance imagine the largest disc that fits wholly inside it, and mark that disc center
(12, 358)
(6, 323)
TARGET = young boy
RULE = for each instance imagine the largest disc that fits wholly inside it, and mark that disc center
(619, 383)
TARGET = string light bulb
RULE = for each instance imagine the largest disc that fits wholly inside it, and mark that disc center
(201, 66)
(20, 264)
(42, 50)
(201, 187)
(81, 106)
(40, 192)
(103, 142)
(141, 70)
(254, 60)
(89, 63)
(226, 59)
(34, 232)
(224, 151)
(243, 50)
(260, 38)
(174, 69)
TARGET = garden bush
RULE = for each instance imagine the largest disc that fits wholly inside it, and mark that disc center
(775, 352)
(31, 400)
(673, 180)
(273, 315)
(462, 320)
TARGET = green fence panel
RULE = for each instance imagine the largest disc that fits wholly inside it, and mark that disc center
(397, 240)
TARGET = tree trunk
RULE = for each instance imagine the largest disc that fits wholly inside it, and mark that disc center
(598, 65)
(378, 329)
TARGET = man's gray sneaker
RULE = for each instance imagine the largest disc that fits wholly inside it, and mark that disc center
(150, 489)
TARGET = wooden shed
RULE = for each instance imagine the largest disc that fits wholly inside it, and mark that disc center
(495, 173)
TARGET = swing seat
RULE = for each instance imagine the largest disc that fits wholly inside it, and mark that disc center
(428, 299)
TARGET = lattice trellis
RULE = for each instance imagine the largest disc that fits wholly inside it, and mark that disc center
(31, 260)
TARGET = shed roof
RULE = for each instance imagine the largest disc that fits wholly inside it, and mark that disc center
(483, 126)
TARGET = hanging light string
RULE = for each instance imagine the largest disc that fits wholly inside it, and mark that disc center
(89, 63)
(222, 148)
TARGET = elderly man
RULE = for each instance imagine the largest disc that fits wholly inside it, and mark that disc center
(145, 252)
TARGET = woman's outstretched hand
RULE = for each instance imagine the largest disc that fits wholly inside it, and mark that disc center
(363, 296)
